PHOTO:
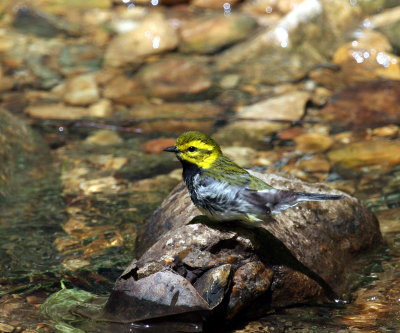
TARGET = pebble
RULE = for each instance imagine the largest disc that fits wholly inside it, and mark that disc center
(57, 111)
(284, 109)
(390, 131)
(81, 90)
(313, 143)
(101, 109)
(156, 146)
(104, 138)
(154, 35)
(103, 185)
(172, 78)
(368, 153)
(243, 156)
(209, 34)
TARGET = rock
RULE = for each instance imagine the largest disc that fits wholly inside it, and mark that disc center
(57, 111)
(124, 90)
(357, 155)
(241, 155)
(209, 34)
(157, 145)
(301, 255)
(266, 117)
(175, 117)
(172, 78)
(370, 104)
(154, 35)
(286, 61)
(390, 131)
(101, 109)
(30, 20)
(81, 90)
(365, 59)
(80, 58)
(312, 143)
(213, 4)
(104, 138)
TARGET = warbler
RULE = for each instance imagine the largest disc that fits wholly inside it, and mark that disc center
(222, 190)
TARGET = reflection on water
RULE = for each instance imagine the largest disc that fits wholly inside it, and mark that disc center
(305, 88)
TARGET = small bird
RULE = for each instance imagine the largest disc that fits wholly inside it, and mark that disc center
(224, 191)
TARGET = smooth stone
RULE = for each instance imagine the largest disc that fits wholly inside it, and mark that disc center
(172, 78)
(101, 109)
(313, 143)
(390, 131)
(104, 138)
(243, 156)
(124, 90)
(367, 58)
(57, 111)
(366, 105)
(209, 34)
(156, 146)
(357, 155)
(81, 90)
(283, 109)
(154, 35)
(175, 117)
(31, 20)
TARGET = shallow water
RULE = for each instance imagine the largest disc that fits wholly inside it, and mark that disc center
(72, 213)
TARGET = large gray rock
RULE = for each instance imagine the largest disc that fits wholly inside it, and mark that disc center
(302, 254)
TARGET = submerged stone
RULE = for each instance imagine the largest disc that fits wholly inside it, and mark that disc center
(264, 118)
(209, 34)
(366, 105)
(154, 35)
(172, 78)
(357, 155)
(302, 254)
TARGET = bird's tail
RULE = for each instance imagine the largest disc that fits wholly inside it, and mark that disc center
(303, 196)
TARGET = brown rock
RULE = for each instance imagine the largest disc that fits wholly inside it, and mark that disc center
(250, 281)
(124, 90)
(175, 117)
(175, 77)
(157, 145)
(154, 35)
(370, 104)
(57, 111)
(208, 34)
(265, 117)
(383, 153)
(287, 261)
(313, 143)
(81, 90)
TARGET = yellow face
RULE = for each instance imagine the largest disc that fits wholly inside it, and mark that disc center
(196, 148)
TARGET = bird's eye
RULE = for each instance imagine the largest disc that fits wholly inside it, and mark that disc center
(192, 149)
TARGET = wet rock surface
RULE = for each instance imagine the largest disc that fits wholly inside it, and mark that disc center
(302, 254)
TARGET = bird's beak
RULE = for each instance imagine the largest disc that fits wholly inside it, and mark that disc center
(171, 149)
